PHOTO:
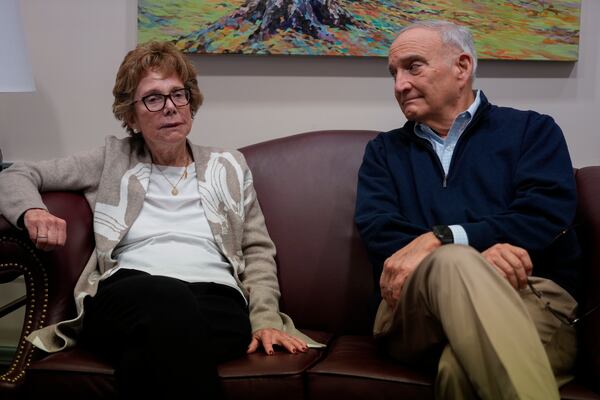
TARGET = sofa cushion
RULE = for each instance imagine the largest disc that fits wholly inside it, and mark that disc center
(355, 369)
(73, 371)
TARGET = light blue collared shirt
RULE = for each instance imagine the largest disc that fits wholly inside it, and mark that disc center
(444, 148)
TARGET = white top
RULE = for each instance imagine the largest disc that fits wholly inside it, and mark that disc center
(171, 236)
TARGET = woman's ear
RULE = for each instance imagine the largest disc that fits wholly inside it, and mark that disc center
(132, 123)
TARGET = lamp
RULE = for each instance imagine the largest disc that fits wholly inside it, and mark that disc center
(15, 70)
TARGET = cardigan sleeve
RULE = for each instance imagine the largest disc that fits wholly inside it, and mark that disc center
(259, 277)
(22, 183)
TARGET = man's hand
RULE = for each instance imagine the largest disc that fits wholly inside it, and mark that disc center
(512, 262)
(398, 267)
(45, 230)
(270, 336)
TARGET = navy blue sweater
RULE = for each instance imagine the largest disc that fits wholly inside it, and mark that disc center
(510, 181)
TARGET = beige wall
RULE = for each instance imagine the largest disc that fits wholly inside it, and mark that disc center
(76, 46)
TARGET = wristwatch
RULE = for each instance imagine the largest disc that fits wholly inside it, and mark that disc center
(443, 233)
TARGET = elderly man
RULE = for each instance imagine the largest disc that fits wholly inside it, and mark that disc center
(466, 212)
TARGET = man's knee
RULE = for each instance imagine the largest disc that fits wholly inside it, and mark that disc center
(451, 263)
(454, 254)
(452, 258)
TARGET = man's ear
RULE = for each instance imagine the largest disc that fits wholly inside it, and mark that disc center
(464, 63)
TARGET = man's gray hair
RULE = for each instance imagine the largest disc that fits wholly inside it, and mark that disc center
(452, 35)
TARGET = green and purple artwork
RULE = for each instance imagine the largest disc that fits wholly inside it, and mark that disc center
(509, 29)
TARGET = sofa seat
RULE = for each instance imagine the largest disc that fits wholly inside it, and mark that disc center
(74, 371)
(271, 375)
(84, 375)
(355, 369)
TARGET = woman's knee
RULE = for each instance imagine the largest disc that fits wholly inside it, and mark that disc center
(143, 302)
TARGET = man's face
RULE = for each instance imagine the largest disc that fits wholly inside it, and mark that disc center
(427, 77)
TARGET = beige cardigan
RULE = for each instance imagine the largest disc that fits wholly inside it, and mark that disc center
(114, 180)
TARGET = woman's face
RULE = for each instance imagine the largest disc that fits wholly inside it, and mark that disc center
(169, 126)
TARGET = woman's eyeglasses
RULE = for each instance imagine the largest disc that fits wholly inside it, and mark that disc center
(157, 101)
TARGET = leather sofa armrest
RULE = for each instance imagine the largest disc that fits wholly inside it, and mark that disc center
(18, 256)
(50, 277)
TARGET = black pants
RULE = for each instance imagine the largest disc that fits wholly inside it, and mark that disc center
(163, 335)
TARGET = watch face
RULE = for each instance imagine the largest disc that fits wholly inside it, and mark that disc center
(443, 233)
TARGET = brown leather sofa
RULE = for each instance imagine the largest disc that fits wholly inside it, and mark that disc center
(306, 186)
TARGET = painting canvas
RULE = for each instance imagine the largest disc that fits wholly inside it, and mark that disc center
(509, 29)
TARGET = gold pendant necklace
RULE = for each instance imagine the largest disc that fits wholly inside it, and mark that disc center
(174, 190)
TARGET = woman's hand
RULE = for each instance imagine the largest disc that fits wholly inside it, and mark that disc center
(270, 336)
(45, 230)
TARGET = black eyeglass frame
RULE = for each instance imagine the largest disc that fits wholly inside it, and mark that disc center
(188, 98)
(560, 316)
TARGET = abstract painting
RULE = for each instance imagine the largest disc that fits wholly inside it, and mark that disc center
(503, 29)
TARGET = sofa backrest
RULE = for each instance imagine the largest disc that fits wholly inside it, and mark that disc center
(306, 186)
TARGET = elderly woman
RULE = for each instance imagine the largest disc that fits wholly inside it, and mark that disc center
(183, 275)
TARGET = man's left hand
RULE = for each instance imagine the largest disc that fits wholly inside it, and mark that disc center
(512, 262)
(270, 336)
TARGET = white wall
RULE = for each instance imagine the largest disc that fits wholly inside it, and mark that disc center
(76, 46)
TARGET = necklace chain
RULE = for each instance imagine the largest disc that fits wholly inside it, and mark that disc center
(174, 190)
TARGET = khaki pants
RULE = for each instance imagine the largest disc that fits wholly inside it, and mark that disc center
(495, 342)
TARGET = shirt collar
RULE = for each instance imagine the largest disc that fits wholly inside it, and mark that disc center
(475, 105)
(425, 132)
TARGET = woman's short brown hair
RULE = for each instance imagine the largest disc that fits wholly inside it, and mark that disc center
(163, 57)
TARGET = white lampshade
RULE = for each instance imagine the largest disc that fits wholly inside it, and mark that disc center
(15, 70)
